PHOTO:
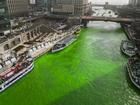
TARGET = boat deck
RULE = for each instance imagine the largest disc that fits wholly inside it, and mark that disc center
(128, 48)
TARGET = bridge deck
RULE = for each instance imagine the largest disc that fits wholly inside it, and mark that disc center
(112, 19)
(97, 18)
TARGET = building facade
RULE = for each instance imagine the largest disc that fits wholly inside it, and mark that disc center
(8, 44)
(10, 9)
(38, 5)
(41, 5)
(18, 7)
(134, 3)
(4, 14)
(14, 8)
(71, 7)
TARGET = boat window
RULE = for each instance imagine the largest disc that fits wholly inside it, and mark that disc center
(29, 59)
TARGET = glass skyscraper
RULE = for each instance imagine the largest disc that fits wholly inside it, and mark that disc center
(4, 15)
(134, 2)
(74, 7)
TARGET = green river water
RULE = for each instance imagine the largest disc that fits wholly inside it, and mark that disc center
(89, 72)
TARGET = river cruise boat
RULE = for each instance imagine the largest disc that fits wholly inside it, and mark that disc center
(133, 68)
(63, 43)
(128, 48)
(14, 69)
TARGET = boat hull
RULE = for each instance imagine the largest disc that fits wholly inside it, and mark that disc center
(16, 77)
(57, 50)
(131, 77)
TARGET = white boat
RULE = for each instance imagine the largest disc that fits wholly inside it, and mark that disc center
(14, 73)
(63, 43)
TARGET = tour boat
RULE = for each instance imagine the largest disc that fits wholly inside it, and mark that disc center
(63, 43)
(133, 68)
(128, 48)
(10, 75)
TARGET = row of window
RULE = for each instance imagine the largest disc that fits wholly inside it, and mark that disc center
(134, 2)
(17, 6)
(12, 44)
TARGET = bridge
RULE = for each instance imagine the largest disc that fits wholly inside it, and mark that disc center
(111, 19)
(104, 5)
(85, 19)
(102, 18)
(95, 18)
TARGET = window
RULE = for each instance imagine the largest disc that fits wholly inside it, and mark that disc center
(2, 10)
(6, 47)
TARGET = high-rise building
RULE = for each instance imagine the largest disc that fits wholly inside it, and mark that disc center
(4, 15)
(14, 8)
(38, 5)
(18, 7)
(11, 9)
(71, 7)
(134, 3)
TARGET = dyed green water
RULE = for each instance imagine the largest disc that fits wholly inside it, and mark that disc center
(89, 72)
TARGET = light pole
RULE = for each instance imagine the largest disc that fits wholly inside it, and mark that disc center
(9, 19)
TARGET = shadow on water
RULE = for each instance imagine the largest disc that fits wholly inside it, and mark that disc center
(119, 30)
(97, 92)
